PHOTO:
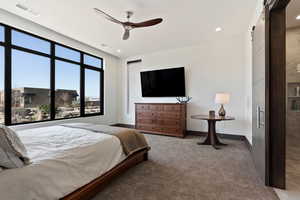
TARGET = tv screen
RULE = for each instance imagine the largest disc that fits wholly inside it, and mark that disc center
(163, 83)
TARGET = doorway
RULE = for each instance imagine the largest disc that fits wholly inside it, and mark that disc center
(269, 115)
(293, 100)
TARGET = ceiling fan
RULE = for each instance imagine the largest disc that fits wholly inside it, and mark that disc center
(128, 26)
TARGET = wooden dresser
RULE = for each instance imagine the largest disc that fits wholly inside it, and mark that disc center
(161, 118)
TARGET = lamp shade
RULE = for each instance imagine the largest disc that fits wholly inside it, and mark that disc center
(222, 98)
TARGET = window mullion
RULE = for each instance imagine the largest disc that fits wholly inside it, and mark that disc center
(102, 92)
(7, 72)
(82, 86)
(52, 81)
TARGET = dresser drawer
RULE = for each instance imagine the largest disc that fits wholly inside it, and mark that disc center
(145, 121)
(146, 114)
(169, 115)
(172, 108)
(142, 107)
(167, 122)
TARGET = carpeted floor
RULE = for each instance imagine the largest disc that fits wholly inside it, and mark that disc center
(179, 169)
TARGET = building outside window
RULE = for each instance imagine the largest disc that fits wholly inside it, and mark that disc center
(46, 80)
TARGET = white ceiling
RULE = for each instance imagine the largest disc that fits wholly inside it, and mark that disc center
(186, 22)
(293, 10)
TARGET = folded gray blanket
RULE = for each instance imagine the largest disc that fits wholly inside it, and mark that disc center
(130, 139)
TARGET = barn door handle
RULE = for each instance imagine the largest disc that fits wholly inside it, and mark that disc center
(259, 111)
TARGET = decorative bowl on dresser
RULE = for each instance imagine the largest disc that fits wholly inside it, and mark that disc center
(161, 118)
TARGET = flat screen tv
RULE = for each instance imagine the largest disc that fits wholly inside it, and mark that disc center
(163, 83)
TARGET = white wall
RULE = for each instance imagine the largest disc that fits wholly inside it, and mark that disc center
(215, 66)
(112, 65)
(248, 51)
(248, 82)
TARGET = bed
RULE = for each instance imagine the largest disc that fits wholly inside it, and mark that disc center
(68, 162)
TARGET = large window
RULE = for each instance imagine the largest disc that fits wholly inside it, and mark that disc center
(44, 80)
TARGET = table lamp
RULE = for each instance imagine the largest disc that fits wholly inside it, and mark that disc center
(222, 98)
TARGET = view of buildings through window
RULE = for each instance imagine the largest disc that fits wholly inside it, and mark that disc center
(92, 91)
(30, 87)
(67, 93)
(31, 78)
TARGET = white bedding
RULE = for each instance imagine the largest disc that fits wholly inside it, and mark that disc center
(63, 160)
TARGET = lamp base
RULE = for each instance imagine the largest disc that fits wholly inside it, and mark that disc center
(222, 112)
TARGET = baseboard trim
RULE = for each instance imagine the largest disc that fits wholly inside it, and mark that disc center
(221, 135)
(123, 125)
(248, 145)
(201, 133)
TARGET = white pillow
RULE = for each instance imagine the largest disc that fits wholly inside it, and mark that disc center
(13, 153)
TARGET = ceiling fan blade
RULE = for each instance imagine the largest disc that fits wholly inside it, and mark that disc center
(126, 34)
(147, 23)
(107, 16)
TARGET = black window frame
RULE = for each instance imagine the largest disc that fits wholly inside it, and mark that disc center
(8, 46)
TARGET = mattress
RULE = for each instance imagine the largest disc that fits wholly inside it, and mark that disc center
(63, 160)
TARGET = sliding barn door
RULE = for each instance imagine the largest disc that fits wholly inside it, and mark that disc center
(259, 129)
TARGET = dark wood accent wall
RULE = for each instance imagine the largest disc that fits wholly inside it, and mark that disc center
(277, 102)
(276, 92)
(161, 118)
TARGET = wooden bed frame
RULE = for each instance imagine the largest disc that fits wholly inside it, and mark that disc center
(91, 189)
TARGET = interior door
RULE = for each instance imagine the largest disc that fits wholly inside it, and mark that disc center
(259, 77)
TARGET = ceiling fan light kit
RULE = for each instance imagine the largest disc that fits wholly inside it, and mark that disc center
(128, 26)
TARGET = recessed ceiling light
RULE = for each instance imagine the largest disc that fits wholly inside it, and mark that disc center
(27, 9)
(21, 6)
(119, 50)
(218, 29)
(298, 17)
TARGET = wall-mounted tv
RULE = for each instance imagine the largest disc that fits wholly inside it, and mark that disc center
(163, 83)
